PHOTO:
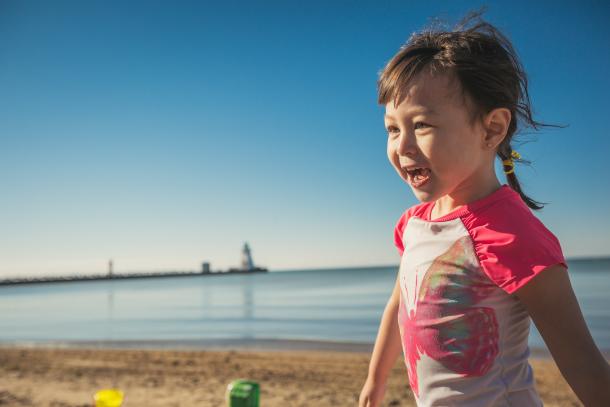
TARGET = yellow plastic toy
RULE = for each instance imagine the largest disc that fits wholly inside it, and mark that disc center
(108, 398)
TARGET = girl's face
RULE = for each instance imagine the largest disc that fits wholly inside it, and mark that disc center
(430, 130)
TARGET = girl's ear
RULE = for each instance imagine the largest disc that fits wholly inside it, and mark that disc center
(496, 126)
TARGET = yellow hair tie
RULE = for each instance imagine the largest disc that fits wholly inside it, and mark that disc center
(509, 162)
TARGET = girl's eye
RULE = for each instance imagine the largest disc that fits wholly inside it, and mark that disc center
(393, 130)
(420, 123)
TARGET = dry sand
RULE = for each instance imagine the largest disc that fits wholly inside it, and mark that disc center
(69, 377)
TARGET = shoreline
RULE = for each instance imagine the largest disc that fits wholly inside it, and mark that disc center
(228, 344)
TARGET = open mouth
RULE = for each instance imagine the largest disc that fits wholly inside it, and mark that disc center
(418, 176)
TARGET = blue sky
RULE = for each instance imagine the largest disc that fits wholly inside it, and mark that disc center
(163, 134)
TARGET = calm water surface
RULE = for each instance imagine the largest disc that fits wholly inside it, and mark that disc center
(337, 305)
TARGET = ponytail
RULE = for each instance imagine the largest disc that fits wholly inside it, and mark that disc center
(505, 153)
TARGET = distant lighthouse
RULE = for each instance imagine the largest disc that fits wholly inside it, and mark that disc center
(247, 264)
(246, 258)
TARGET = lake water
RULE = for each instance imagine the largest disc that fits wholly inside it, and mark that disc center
(331, 305)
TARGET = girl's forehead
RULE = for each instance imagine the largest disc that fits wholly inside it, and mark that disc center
(427, 94)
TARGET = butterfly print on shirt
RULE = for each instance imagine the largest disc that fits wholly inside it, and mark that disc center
(445, 323)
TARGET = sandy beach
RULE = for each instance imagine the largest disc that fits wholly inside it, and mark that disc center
(68, 377)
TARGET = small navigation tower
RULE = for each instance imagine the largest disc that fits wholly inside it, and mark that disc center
(247, 264)
(246, 258)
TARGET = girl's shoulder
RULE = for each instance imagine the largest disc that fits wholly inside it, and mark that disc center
(493, 221)
(511, 243)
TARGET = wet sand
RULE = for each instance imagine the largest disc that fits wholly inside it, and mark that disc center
(68, 377)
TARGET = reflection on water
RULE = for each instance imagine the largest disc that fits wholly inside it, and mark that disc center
(110, 317)
(248, 305)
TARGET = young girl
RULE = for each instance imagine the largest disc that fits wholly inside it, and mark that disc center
(476, 263)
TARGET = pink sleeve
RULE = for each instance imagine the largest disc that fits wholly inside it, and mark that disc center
(513, 245)
(398, 232)
(399, 229)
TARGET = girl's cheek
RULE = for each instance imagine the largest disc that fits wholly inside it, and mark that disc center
(391, 151)
(429, 149)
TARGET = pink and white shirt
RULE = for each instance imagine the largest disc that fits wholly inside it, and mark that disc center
(464, 336)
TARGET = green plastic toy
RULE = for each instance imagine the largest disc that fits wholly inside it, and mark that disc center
(243, 393)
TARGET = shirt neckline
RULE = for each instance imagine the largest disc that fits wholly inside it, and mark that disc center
(503, 192)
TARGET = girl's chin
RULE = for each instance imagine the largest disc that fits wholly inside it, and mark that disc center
(425, 192)
(423, 196)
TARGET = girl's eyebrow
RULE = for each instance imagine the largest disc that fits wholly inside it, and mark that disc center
(416, 110)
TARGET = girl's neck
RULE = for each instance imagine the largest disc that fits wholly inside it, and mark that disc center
(463, 196)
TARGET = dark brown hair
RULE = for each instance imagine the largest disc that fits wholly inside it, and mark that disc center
(487, 68)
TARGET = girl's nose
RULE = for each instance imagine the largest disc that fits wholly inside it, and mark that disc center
(406, 144)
